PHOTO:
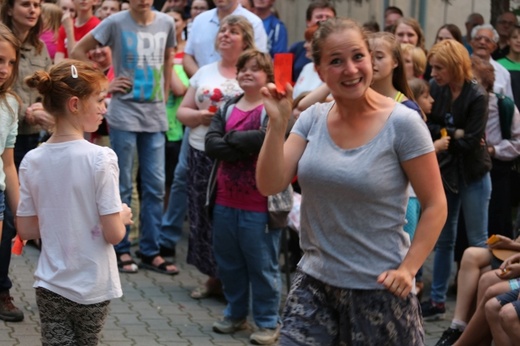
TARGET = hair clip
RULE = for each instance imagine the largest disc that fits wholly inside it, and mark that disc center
(73, 71)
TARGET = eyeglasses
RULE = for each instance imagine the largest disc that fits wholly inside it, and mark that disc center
(485, 38)
(197, 8)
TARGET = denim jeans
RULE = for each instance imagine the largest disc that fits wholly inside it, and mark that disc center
(8, 233)
(173, 218)
(247, 259)
(150, 152)
(474, 200)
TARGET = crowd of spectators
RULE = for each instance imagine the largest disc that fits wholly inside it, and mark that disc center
(397, 149)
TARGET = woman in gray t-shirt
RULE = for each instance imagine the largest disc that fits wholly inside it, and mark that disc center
(354, 158)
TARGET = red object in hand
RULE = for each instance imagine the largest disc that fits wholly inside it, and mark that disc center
(283, 63)
(212, 108)
(18, 246)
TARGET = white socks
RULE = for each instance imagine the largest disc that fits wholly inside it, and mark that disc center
(458, 324)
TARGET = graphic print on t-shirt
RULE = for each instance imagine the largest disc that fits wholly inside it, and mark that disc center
(143, 53)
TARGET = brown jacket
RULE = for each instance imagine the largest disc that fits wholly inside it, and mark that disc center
(30, 62)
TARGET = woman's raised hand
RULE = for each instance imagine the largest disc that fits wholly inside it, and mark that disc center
(278, 105)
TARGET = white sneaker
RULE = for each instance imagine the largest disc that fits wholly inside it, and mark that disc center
(228, 326)
(265, 336)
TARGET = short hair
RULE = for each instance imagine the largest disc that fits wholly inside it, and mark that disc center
(33, 37)
(414, 24)
(485, 27)
(418, 58)
(484, 72)
(454, 31)
(248, 36)
(454, 57)
(399, 80)
(371, 26)
(418, 86)
(393, 9)
(331, 26)
(471, 18)
(263, 60)
(315, 4)
(61, 83)
(507, 12)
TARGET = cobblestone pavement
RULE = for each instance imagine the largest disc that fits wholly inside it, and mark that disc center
(155, 310)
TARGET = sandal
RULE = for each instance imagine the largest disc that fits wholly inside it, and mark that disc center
(122, 264)
(147, 263)
(163, 252)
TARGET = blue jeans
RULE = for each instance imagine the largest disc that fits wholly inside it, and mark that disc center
(150, 152)
(474, 200)
(8, 233)
(173, 217)
(247, 258)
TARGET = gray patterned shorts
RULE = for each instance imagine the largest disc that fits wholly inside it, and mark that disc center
(66, 323)
(319, 314)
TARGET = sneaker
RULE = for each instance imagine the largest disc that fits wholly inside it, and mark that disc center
(265, 336)
(228, 326)
(9, 312)
(449, 337)
(433, 311)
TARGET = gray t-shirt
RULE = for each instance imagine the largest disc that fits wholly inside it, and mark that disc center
(354, 200)
(138, 53)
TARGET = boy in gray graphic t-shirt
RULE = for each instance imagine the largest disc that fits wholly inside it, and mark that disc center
(142, 42)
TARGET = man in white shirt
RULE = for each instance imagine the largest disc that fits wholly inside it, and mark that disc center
(484, 40)
(200, 49)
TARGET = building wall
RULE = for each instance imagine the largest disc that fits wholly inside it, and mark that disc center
(434, 13)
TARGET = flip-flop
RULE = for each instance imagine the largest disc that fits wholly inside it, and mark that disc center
(147, 263)
(122, 264)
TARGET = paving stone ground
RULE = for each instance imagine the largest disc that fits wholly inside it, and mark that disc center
(155, 310)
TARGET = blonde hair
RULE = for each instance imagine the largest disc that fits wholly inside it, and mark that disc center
(454, 57)
(418, 58)
(248, 36)
(51, 16)
(418, 86)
